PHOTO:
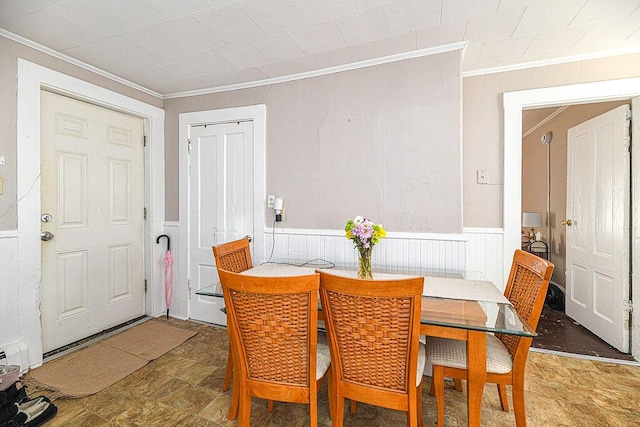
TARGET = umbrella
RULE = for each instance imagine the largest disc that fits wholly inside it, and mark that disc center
(168, 271)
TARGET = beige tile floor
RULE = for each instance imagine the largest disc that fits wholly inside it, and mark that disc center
(182, 388)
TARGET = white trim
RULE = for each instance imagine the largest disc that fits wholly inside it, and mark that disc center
(390, 234)
(172, 223)
(584, 357)
(482, 230)
(513, 103)
(29, 43)
(255, 113)
(8, 234)
(549, 62)
(31, 79)
(324, 71)
(543, 121)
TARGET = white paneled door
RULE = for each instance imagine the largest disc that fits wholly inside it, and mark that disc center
(597, 226)
(92, 219)
(220, 204)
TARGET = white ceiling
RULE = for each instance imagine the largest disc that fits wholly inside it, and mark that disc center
(172, 46)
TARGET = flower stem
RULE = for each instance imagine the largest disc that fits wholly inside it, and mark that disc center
(364, 265)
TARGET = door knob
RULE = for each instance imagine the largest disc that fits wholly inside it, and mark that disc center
(46, 236)
(567, 222)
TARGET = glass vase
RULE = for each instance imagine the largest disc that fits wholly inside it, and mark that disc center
(364, 265)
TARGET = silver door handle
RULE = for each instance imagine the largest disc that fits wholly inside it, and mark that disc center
(46, 236)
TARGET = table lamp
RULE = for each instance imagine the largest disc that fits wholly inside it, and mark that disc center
(532, 220)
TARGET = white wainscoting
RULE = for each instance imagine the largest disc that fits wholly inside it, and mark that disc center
(485, 253)
(478, 249)
(443, 251)
(11, 341)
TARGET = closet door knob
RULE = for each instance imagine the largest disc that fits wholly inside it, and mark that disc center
(567, 222)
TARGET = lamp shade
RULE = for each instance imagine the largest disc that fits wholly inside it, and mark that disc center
(531, 219)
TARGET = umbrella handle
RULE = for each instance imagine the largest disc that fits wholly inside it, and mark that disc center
(168, 240)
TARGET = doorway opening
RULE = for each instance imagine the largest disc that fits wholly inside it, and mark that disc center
(514, 104)
(544, 190)
(544, 183)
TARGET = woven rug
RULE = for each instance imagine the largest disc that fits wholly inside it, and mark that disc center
(91, 369)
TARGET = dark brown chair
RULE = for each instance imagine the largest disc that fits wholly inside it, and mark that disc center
(373, 328)
(236, 257)
(274, 324)
(506, 354)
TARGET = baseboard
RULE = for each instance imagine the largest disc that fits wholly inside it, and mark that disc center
(17, 353)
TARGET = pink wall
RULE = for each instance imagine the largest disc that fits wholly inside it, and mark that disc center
(483, 132)
(9, 53)
(382, 141)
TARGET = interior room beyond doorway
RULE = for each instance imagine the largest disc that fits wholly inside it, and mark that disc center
(544, 189)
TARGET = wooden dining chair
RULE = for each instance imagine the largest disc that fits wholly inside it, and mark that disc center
(232, 256)
(274, 323)
(373, 329)
(506, 354)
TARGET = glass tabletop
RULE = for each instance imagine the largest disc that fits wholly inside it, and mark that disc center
(481, 314)
(214, 289)
(488, 316)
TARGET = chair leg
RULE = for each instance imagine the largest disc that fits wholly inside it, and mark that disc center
(353, 406)
(419, 404)
(338, 411)
(313, 408)
(244, 418)
(438, 384)
(235, 399)
(270, 405)
(229, 371)
(457, 384)
(412, 415)
(502, 392)
(331, 394)
(432, 389)
(517, 389)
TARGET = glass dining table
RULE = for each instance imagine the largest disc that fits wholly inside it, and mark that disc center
(456, 304)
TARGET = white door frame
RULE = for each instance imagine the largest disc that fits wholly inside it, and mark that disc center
(31, 79)
(256, 113)
(514, 102)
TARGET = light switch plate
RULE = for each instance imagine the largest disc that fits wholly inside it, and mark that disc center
(483, 176)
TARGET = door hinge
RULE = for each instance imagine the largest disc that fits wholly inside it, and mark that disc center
(145, 214)
(145, 286)
(628, 306)
(144, 140)
(189, 156)
(189, 287)
(629, 115)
